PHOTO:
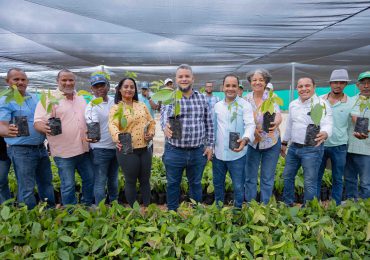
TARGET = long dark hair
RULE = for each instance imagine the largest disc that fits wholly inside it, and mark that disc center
(118, 96)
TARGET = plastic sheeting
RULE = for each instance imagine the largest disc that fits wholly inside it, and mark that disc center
(215, 37)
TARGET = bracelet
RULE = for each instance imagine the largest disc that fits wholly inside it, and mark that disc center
(284, 144)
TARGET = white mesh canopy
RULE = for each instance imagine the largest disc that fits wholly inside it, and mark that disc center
(215, 37)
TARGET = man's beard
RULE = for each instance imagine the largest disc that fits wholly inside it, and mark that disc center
(184, 90)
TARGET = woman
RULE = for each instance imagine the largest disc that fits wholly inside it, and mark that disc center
(135, 165)
(265, 149)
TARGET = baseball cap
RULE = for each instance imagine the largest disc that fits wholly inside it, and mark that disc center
(144, 85)
(363, 75)
(98, 78)
(339, 75)
(168, 80)
(241, 86)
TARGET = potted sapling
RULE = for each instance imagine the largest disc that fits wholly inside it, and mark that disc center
(173, 97)
(12, 94)
(268, 108)
(48, 101)
(362, 123)
(233, 136)
(316, 115)
(93, 128)
(124, 138)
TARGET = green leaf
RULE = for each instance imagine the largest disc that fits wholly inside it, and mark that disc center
(40, 255)
(97, 244)
(36, 228)
(96, 101)
(277, 246)
(177, 109)
(178, 95)
(5, 92)
(84, 93)
(63, 254)
(123, 122)
(199, 242)
(367, 232)
(189, 237)
(278, 101)
(18, 98)
(163, 95)
(317, 113)
(5, 212)
(43, 100)
(115, 252)
(66, 239)
(145, 229)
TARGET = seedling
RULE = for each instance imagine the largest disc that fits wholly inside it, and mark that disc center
(233, 136)
(156, 85)
(93, 128)
(171, 96)
(268, 108)
(12, 94)
(362, 123)
(316, 114)
(124, 138)
(48, 101)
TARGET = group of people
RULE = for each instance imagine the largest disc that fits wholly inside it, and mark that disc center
(207, 125)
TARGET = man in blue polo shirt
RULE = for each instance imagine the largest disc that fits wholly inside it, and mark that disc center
(27, 153)
(335, 147)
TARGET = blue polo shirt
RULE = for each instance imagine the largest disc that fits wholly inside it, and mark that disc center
(11, 109)
(146, 102)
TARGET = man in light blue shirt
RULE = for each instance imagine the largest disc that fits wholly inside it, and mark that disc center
(233, 114)
(103, 152)
(146, 99)
(28, 154)
(357, 171)
(335, 147)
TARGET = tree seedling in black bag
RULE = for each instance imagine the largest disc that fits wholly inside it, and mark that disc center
(49, 101)
(313, 130)
(93, 128)
(171, 96)
(12, 94)
(124, 138)
(267, 108)
(362, 123)
(233, 136)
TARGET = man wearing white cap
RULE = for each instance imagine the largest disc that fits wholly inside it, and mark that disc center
(335, 147)
(168, 83)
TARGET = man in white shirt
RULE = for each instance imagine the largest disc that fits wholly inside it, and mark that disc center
(103, 152)
(299, 153)
(233, 114)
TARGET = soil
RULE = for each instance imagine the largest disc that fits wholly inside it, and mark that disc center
(362, 125)
(311, 133)
(22, 124)
(233, 138)
(126, 141)
(176, 127)
(55, 126)
(93, 131)
(267, 120)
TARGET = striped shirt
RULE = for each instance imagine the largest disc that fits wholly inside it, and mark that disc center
(196, 119)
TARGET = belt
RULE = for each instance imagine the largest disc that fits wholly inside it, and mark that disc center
(301, 145)
(29, 145)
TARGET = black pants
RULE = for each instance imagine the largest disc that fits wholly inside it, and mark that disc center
(136, 166)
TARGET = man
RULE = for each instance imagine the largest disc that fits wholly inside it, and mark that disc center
(299, 154)
(335, 147)
(358, 156)
(146, 99)
(70, 148)
(168, 83)
(103, 152)
(240, 90)
(211, 99)
(224, 123)
(28, 154)
(195, 146)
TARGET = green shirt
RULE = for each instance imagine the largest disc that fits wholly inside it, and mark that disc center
(341, 114)
(356, 145)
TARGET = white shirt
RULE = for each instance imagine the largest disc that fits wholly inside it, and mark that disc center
(298, 119)
(100, 114)
(243, 123)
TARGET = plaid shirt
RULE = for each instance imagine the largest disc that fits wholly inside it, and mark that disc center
(196, 119)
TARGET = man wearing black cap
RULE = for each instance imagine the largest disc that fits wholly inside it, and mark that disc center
(104, 151)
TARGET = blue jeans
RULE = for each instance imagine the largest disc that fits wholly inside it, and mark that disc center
(358, 165)
(309, 157)
(32, 166)
(337, 155)
(268, 159)
(176, 160)
(106, 173)
(66, 169)
(236, 170)
(4, 185)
